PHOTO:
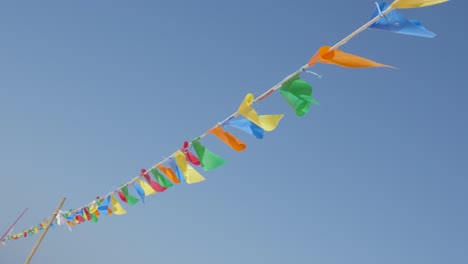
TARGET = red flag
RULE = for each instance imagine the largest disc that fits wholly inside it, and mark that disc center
(155, 185)
(79, 218)
(122, 196)
(86, 213)
(189, 155)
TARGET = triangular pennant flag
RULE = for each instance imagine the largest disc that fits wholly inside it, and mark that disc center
(247, 126)
(87, 214)
(176, 169)
(130, 199)
(79, 217)
(145, 186)
(267, 122)
(228, 138)
(92, 207)
(191, 175)
(209, 160)
(104, 207)
(140, 191)
(93, 210)
(161, 179)
(415, 3)
(116, 207)
(170, 174)
(298, 94)
(94, 218)
(397, 23)
(343, 59)
(70, 216)
(121, 196)
(189, 155)
(60, 219)
(156, 186)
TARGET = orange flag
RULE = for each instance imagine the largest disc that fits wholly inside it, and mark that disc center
(169, 173)
(228, 138)
(342, 59)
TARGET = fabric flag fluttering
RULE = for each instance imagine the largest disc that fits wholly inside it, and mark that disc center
(169, 173)
(228, 138)
(266, 122)
(146, 187)
(298, 94)
(396, 22)
(173, 164)
(130, 198)
(116, 206)
(247, 126)
(401, 4)
(189, 155)
(155, 185)
(104, 206)
(161, 179)
(191, 175)
(140, 191)
(343, 59)
(209, 160)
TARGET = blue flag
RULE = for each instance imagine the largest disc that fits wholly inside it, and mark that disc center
(104, 205)
(248, 127)
(140, 191)
(175, 168)
(397, 23)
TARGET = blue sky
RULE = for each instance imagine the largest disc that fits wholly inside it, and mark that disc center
(90, 93)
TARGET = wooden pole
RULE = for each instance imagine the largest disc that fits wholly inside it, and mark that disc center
(51, 220)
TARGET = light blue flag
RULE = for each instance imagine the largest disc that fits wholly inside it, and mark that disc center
(247, 126)
(397, 23)
(140, 191)
(104, 205)
(175, 168)
(71, 217)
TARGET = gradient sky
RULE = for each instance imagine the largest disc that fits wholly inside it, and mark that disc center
(91, 92)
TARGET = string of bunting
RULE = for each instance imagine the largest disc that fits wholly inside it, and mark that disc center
(179, 166)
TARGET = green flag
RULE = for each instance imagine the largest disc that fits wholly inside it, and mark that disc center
(209, 160)
(94, 218)
(161, 179)
(298, 94)
(130, 199)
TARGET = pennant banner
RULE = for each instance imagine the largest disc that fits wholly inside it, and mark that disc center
(297, 93)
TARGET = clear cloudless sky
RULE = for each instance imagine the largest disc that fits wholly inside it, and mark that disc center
(93, 91)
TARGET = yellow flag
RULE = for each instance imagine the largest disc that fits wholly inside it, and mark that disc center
(190, 174)
(93, 208)
(116, 207)
(146, 187)
(266, 122)
(415, 3)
